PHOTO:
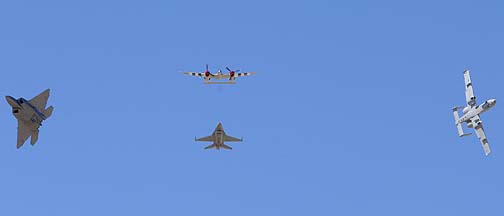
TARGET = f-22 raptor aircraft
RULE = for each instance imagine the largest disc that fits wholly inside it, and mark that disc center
(218, 138)
(471, 114)
(30, 114)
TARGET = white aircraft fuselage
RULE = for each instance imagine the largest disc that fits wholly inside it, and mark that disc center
(470, 112)
(219, 75)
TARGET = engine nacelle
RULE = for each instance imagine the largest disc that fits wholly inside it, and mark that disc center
(466, 109)
(474, 124)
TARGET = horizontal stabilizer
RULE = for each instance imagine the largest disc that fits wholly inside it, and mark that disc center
(461, 132)
(226, 147)
(34, 137)
(211, 146)
(459, 124)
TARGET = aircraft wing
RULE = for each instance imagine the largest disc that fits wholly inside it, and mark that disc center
(40, 101)
(231, 139)
(206, 139)
(470, 98)
(244, 74)
(195, 74)
(480, 132)
(23, 133)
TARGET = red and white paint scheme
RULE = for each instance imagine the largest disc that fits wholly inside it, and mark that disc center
(230, 77)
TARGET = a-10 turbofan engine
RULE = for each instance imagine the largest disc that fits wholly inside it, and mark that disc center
(472, 125)
(466, 109)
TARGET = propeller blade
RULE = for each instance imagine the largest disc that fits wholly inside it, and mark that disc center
(206, 67)
(228, 69)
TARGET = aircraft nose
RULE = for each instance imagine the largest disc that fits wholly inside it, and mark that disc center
(11, 101)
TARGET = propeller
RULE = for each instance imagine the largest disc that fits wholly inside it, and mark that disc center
(236, 71)
(232, 73)
(207, 73)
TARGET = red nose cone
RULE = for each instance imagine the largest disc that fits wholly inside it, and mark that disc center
(207, 73)
(232, 73)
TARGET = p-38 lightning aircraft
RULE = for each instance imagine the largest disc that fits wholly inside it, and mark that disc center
(231, 76)
(30, 114)
(218, 138)
(471, 114)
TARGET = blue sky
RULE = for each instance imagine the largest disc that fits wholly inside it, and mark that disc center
(349, 114)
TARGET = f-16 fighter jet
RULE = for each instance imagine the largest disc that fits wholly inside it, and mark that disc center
(30, 114)
(471, 114)
(231, 76)
(218, 138)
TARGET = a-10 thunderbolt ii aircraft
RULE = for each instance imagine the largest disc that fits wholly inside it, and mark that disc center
(471, 114)
(208, 76)
(218, 138)
(30, 114)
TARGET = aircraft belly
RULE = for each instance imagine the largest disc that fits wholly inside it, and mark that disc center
(468, 116)
(24, 116)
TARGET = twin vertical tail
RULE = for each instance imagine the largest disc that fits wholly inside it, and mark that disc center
(458, 123)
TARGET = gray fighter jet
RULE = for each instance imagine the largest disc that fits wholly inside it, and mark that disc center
(218, 138)
(30, 114)
(471, 114)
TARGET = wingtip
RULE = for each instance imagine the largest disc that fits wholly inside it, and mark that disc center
(464, 135)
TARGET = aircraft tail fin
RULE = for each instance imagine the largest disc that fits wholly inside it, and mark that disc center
(458, 124)
(48, 111)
